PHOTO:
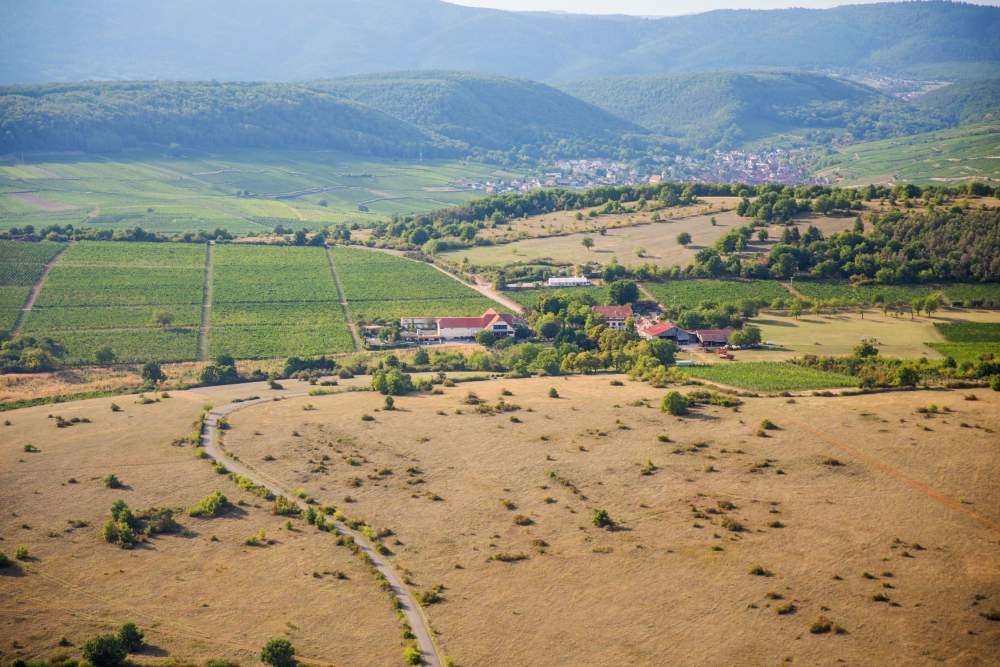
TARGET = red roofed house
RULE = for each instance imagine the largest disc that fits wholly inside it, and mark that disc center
(615, 315)
(457, 328)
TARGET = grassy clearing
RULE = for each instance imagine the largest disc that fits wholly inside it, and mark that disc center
(690, 293)
(770, 376)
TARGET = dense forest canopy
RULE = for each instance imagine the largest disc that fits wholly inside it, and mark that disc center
(312, 39)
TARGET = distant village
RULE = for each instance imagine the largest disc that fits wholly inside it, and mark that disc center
(779, 165)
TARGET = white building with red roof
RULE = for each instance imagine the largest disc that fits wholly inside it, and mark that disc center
(500, 325)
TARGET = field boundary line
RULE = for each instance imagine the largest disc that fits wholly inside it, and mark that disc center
(407, 600)
(929, 491)
(206, 301)
(351, 326)
(36, 290)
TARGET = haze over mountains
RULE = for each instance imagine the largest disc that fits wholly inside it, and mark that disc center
(64, 40)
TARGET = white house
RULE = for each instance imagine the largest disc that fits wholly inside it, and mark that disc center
(459, 328)
(615, 315)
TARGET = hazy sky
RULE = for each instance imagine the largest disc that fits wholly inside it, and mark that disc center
(659, 7)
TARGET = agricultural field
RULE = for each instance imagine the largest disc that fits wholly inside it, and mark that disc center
(381, 286)
(245, 192)
(729, 530)
(770, 376)
(102, 294)
(275, 301)
(21, 265)
(652, 243)
(959, 294)
(946, 156)
(969, 341)
(690, 293)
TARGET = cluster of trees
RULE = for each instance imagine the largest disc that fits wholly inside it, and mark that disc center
(873, 370)
(903, 247)
(28, 354)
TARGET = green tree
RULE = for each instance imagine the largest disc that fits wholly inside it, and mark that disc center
(131, 637)
(907, 376)
(684, 238)
(278, 653)
(602, 519)
(486, 338)
(916, 305)
(152, 373)
(105, 651)
(105, 355)
(587, 242)
(622, 292)
(421, 358)
(163, 318)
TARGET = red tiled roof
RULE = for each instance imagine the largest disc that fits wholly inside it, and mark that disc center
(460, 322)
(613, 312)
(658, 328)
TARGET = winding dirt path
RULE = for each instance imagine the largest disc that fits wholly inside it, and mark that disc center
(343, 302)
(794, 292)
(35, 291)
(206, 303)
(408, 603)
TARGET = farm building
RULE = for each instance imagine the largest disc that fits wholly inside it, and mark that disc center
(567, 281)
(667, 331)
(713, 337)
(615, 315)
(500, 325)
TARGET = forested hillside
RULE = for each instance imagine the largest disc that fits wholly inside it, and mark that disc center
(726, 109)
(964, 102)
(106, 117)
(482, 111)
(311, 39)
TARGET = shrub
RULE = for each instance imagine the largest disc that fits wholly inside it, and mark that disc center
(995, 383)
(760, 571)
(768, 425)
(787, 608)
(602, 519)
(105, 651)
(823, 625)
(278, 653)
(675, 404)
(112, 482)
(285, 507)
(4, 560)
(210, 506)
(553, 393)
(390, 403)
(115, 407)
(413, 656)
(131, 637)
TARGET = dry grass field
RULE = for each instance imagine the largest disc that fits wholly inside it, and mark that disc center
(857, 509)
(657, 240)
(198, 596)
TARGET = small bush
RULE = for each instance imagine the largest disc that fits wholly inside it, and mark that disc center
(675, 404)
(4, 560)
(115, 407)
(602, 519)
(768, 425)
(553, 393)
(367, 418)
(760, 571)
(413, 656)
(210, 506)
(111, 481)
(22, 553)
(787, 608)
(522, 520)
(823, 625)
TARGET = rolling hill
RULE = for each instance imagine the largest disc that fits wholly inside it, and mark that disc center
(65, 40)
(727, 109)
(964, 102)
(487, 112)
(106, 117)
